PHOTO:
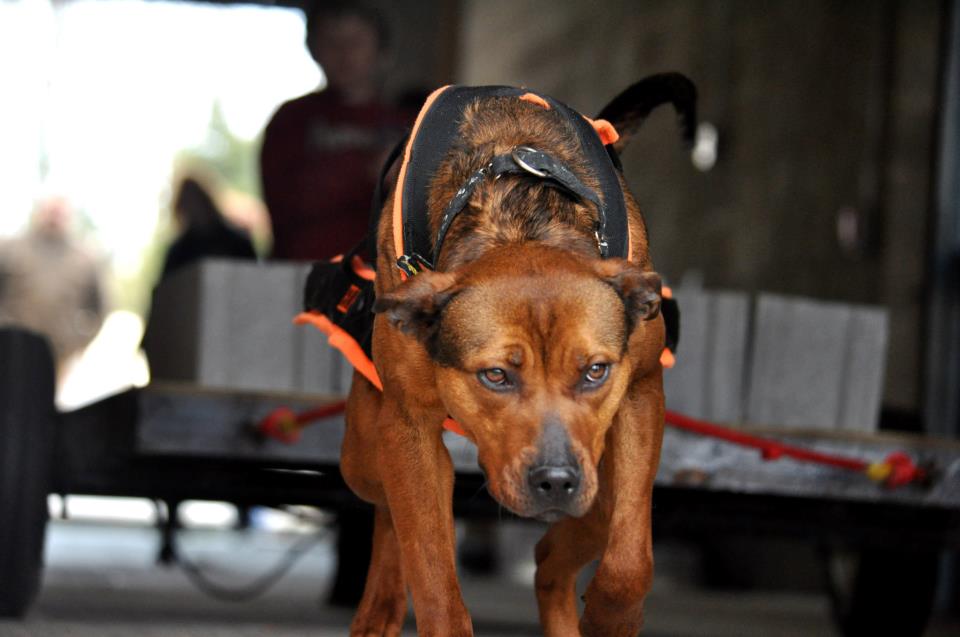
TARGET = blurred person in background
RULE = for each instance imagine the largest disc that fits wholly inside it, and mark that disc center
(322, 151)
(319, 164)
(51, 283)
(203, 230)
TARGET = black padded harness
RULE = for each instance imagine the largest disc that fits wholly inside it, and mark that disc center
(337, 291)
(438, 131)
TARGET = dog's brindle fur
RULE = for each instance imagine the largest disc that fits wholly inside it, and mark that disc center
(520, 287)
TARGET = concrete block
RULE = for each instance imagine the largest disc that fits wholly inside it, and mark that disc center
(868, 335)
(171, 338)
(708, 378)
(318, 364)
(256, 351)
(345, 376)
(816, 364)
(228, 324)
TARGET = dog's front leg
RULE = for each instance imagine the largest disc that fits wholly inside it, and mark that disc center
(614, 599)
(417, 476)
(564, 550)
(384, 604)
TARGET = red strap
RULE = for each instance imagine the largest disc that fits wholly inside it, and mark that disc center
(285, 425)
(769, 449)
(896, 470)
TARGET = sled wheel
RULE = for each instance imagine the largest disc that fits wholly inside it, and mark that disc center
(27, 436)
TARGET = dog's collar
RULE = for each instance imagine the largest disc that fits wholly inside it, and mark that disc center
(436, 130)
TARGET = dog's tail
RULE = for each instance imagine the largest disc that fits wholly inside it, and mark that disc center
(628, 110)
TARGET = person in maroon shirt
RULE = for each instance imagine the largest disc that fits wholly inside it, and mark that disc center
(319, 164)
(322, 151)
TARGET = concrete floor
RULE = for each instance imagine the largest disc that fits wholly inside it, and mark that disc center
(101, 580)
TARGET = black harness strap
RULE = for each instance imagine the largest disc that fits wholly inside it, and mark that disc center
(600, 162)
(530, 161)
(438, 131)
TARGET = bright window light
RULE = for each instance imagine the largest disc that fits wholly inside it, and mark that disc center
(101, 95)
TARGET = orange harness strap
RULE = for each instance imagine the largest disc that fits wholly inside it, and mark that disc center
(339, 339)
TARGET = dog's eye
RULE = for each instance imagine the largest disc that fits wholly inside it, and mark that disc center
(494, 378)
(596, 374)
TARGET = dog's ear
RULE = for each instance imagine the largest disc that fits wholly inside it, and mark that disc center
(414, 307)
(639, 290)
(629, 109)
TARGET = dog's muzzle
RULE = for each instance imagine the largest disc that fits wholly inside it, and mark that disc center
(555, 477)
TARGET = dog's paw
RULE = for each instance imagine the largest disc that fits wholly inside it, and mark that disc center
(383, 620)
(375, 629)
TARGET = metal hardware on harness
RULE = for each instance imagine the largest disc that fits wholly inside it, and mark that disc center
(524, 160)
(602, 244)
(517, 154)
(413, 264)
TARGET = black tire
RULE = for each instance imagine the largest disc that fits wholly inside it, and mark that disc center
(27, 437)
(882, 591)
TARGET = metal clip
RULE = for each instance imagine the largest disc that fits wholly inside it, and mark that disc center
(602, 244)
(516, 154)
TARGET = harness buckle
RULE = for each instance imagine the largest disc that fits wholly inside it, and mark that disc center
(518, 152)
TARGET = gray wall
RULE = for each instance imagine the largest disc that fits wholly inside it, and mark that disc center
(820, 105)
(424, 49)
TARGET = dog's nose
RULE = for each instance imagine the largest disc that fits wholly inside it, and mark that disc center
(554, 487)
(553, 480)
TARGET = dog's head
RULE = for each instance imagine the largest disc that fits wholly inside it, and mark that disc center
(532, 359)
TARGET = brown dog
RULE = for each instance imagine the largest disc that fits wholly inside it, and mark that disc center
(547, 355)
